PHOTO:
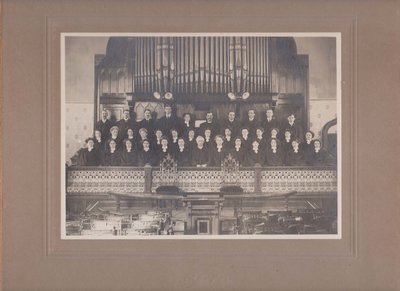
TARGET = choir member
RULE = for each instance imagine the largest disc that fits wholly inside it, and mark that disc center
(217, 151)
(246, 143)
(115, 137)
(146, 156)
(187, 123)
(317, 156)
(191, 140)
(104, 125)
(232, 123)
(260, 138)
(165, 149)
(274, 133)
(293, 126)
(130, 136)
(255, 155)
(147, 122)
(156, 145)
(270, 121)
(229, 141)
(89, 156)
(112, 156)
(238, 152)
(128, 154)
(210, 124)
(174, 140)
(251, 122)
(143, 135)
(207, 137)
(287, 140)
(168, 121)
(294, 157)
(182, 154)
(99, 141)
(200, 156)
(124, 123)
(307, 145)
(274, 154)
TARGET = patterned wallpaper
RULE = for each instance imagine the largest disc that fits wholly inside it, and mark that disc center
(321, 112)
(78, 126)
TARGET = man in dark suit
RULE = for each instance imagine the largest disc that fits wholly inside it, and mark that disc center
(269, 122)
(168, 121)
(295, 128)
(232, 123)
(211, 124)
(148, 123)
(124, 123)
(104, 125)
(251, 123)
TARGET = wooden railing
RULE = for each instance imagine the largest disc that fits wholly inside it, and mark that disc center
(129, 180)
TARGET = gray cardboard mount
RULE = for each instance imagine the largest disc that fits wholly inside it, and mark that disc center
(34, 257)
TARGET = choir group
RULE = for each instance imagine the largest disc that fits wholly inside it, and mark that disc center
(268, 143)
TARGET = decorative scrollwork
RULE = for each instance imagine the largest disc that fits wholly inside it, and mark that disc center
(230, 171)
(168, 170)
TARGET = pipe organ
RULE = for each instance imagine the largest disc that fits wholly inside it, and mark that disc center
(202, 70)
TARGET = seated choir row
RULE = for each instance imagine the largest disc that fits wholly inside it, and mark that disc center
(202, 150)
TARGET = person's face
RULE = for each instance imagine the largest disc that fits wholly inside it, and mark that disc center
(147, 114)
(219, 141)
(251, 114)
(90, 144)
(231, 116)
(191, 134)
(97, 134)
(269, 113)
(238, 142)
(207, 133)
(146, 144)
(209, 117)
(158, 134)
(113, 144)
(114, 132)
(128, 144)
(291, 118)
(200, 142)
(130, 132)
(164, 142)
(143, 134)
(295, 144)
(308, 136)
(104, 114)
(317, 145)
(255, 145)
(287, 134)
(168, 110)
(273, 143)
(174, 134)
(126, 114)
(186, 117)
(274, 133)
(228, 132)
(245, 132)
(181, 143)
(259, 133)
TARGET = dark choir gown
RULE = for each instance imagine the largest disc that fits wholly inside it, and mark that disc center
(100, 144)
(306, 148)
(217, 157)
(234, 126)
(147, 157)
(200, 156)
(252, 126)
(88, 158)
(320, 158)
(182, 157)
(275, 158)
(253, 158)
(208, 143)
(123, 126)
(104, 127)
(190, 145)
(113, 159)
(286, 146)
(229, 144)
(173, 146)
(269, 125)
(246, 143)
(262, 143)
(156, 145)
(238, 154)
(294, 159)
(128, 159)
(149, 125)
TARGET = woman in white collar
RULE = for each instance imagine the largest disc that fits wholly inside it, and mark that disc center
(237, 151)
(128, 154)
(274, 155)
(307, 145)
(317, 156)
(182, 154)
(113, 156)
(256, 155)
(164, 150)
(229, 142)
(294, 156)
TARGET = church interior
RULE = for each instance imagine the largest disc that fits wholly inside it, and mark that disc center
(257, 95)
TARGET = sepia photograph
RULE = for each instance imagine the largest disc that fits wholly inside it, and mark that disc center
(201, 136)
